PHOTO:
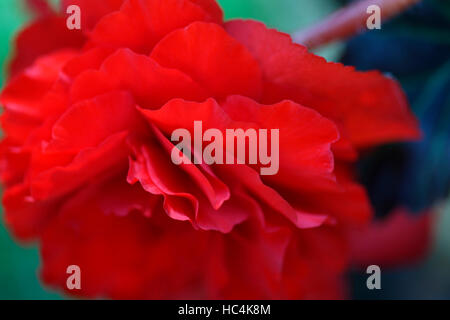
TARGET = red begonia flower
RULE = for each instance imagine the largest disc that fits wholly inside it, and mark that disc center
(86, 155)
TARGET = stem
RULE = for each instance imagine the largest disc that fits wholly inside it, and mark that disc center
(348, 21)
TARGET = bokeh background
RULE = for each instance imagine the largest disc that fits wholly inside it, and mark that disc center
(415, 49)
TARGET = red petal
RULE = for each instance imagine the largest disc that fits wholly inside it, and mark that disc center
(345, 200)
(212, 58)
(214, 189)
(24, 94)
(17, 127)
(117, 113)
(247, 248)
(181, 190)
(252, 182)
(109, 158)
(87, 60)
(212, 8)
(120, 199)
(305, 135)
(140, 24)
(32, 44)
(25, 216)
(368, 107)
(148, 258)
(13, 164)
(69, 159)
(213, 116)
(151, 85)
(400, 239)
(88, 123)
(159, 176)
(315, 263)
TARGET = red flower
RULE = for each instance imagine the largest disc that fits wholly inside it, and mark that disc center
(86, 164)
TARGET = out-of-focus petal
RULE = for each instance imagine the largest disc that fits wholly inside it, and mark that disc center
(43, 36)
(400, 239)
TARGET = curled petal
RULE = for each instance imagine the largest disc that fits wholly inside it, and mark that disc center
(212, 58)
(368, 107)
(213, 116)
(140, 24)
(150, 84)
(189, 194)
(109, 158)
